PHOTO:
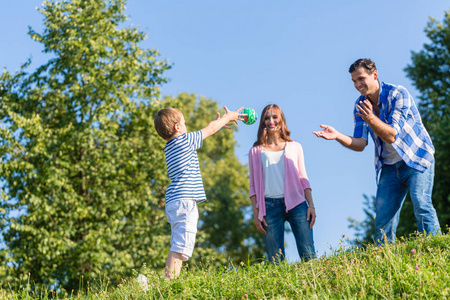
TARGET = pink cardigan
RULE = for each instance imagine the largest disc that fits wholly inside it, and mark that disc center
(295, 178)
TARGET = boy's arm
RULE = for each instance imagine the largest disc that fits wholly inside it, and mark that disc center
(214, 126)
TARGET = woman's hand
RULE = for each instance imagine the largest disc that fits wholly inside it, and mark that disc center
(311, 216)
(259, 225)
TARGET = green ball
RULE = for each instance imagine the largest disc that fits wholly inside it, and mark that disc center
(251, 116)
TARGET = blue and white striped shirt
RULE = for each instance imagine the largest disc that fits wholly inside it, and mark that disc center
(183, 168)
(412, 141)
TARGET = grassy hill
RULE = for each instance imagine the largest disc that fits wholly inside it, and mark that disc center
(414, 268)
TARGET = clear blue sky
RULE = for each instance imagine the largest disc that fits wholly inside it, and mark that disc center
(293, 53)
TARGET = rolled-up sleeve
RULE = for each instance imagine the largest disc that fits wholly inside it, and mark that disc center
(401, 105)
(361, 127)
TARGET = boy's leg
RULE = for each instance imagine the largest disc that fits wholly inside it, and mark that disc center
(173, 264)
(183, 218)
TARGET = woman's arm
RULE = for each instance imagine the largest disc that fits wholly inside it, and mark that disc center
(252, 171)
(258, 223)
(311, 214)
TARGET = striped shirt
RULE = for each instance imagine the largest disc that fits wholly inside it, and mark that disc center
(183, 168)
(412, 141)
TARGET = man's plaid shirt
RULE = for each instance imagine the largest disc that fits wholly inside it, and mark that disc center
(412, 141)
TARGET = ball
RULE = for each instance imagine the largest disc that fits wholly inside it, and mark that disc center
(251, 116)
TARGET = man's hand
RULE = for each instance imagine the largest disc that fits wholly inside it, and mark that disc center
(365, 111)
(328, 132)
(384, 131)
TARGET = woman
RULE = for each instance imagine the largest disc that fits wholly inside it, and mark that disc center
(279, 187)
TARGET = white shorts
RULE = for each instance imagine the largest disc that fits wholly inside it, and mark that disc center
(183, 218)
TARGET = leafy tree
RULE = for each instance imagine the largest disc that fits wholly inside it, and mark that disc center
(81, 184)
(429, 71)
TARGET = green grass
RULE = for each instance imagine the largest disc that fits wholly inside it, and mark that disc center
(415, 268)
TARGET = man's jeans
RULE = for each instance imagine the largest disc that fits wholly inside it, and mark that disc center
(276, 216)
(395, 180)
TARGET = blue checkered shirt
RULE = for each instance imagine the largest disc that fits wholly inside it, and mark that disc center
(412, 141)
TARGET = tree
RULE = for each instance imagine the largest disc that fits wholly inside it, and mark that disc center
(81, 185)
(429, 71)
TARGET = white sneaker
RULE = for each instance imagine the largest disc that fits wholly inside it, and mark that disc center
(142, 279)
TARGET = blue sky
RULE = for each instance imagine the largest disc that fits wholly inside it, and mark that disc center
(293, 53)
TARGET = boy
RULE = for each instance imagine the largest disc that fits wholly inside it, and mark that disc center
(186, 186)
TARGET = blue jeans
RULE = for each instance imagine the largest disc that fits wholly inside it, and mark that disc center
(276, 216)
(395, 180)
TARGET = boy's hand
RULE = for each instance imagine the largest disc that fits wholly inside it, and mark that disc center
(224, 121)
(227, 126)
(234, 115)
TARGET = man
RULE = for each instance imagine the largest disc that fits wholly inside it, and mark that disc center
(404, 157)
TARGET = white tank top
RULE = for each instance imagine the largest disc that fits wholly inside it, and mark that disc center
(273, 170)
(390, 156)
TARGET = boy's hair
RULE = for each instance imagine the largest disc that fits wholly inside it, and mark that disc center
(365, 63)
(165, 120)
(285, 134)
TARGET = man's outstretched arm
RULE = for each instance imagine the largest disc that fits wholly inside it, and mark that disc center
(329, 133)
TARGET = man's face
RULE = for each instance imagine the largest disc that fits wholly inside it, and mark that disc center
(365, 83)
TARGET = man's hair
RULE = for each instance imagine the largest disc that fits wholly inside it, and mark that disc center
(285, 134)
(165, 120)
(365, 63)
